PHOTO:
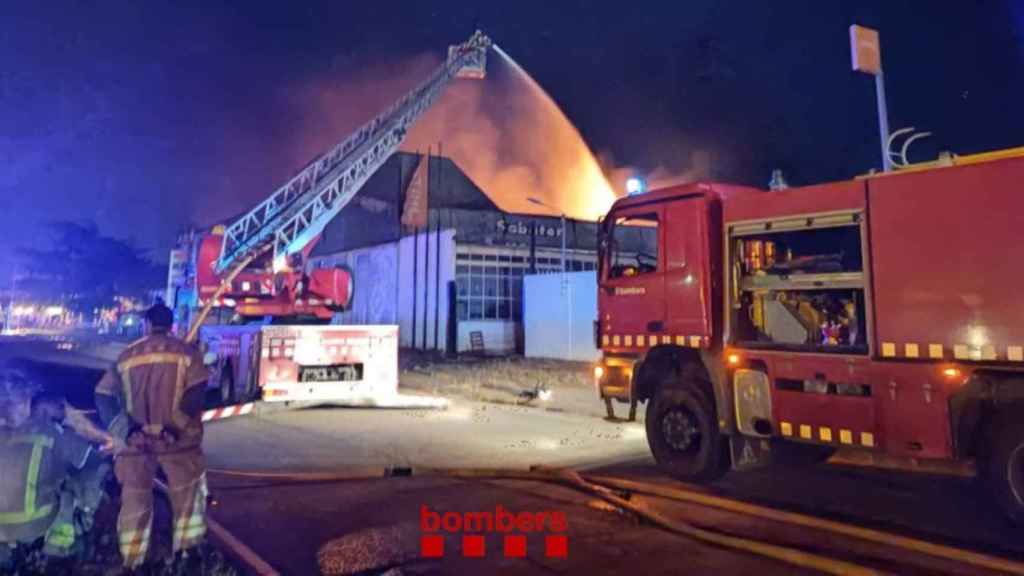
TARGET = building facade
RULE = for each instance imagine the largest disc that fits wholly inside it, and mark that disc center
(458, 277)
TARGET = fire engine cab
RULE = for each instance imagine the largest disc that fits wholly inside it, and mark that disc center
(881, 315)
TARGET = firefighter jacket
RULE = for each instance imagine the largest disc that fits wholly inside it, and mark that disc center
(157, 387)
(35, 458)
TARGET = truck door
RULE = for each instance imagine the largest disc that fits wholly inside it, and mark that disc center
(687, 273)
(633, 278)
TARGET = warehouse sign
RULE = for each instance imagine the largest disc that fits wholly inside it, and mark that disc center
(520, 228)
(864, 50)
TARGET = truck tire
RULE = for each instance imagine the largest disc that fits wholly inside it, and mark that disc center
(682, 432)
(1004, 469)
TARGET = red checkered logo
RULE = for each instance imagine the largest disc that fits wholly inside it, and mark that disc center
(518, 531)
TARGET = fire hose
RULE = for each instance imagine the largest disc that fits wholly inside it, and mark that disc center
(615, 497)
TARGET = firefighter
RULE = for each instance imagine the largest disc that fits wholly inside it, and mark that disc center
(36, 456)
(83, 491)
(151, 401)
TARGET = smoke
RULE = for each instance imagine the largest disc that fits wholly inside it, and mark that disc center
(504, 132)
(699, 167)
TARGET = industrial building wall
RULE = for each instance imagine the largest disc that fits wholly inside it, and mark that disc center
(388, 277)
(422, 297)
(560, 323)
(375, 283)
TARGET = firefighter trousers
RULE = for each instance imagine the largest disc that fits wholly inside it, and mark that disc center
(186, 483)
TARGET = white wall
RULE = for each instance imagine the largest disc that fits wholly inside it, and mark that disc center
(431, 297)
(560, 323)
(499, 335)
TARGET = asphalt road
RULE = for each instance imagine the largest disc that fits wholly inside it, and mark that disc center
(325, 522)
(369, 526)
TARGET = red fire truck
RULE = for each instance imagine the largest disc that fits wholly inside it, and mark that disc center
(355, 365)
(880, 314)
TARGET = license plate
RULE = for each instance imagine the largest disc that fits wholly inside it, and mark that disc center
(332, 373)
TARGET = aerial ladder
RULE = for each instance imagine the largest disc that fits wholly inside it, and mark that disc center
(256, 264)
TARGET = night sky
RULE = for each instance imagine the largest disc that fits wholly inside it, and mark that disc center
(148, 116)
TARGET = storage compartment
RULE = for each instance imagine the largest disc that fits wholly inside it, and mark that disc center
(798, 284)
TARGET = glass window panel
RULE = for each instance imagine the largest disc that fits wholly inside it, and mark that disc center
(476, 286)
(504, 309)
(491, 286)
(491, 309)
(476, 309)
(463, 309)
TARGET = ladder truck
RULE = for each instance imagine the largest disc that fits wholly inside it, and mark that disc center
(244, 290)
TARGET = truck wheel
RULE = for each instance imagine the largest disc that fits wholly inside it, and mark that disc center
(1005, 468)
(682, 432)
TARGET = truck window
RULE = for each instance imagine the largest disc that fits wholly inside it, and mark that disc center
(634, 246)
(800, 289)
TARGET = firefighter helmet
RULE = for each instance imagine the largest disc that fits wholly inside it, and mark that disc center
(15, 383)
(16, 391)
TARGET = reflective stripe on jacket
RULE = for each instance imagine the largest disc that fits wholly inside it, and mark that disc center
(34, 460)
(150, 378)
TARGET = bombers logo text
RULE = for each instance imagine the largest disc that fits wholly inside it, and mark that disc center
(474, 527)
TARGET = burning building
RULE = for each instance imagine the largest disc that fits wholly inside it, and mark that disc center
(432, 252)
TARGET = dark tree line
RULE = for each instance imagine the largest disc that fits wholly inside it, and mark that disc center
(85, 270)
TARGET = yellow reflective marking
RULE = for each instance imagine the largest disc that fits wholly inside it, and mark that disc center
(126, 383)
(845, 437)
(681, 340)
(961, 352)
(988, 352)
(888, 349)
(805, 432)
(30, 512)
(666, 339)
(825, 434)
(910, 350)
(867, 439)
(177, 416)
(629, 340)
(605, 339)
(695, 341)
(935, 351)
(1015, 353)
(615, 340)
(152, 358)
(786, 428)
(640, 340)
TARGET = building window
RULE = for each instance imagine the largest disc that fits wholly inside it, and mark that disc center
(490, 287)
(634, 246)
(488, 292)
